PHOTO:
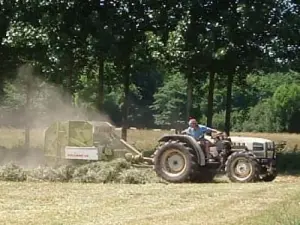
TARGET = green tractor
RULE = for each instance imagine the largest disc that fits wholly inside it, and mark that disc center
(181, 158)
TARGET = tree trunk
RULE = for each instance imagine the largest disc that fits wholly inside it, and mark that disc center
(228, 103)
(27, 123)
(68, 93)
(1, 86)
(189, 96)
(70, 85)
(210, 99)
(101, 83)
(126, 82)
(28, 89)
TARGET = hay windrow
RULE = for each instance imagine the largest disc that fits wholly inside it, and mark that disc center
(60, 174)
(100, 172)
(116, 171)
(12, 172)
(139, 176)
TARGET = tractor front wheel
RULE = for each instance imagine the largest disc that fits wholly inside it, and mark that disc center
(174, 162)
(242, 167)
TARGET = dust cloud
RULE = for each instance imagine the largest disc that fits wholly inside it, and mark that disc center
(38, 104)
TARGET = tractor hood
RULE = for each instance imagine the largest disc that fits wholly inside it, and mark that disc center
(242, 139)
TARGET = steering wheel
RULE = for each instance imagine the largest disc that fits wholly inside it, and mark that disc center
(219, 135)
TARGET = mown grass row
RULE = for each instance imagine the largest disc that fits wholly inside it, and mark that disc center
(116, 171)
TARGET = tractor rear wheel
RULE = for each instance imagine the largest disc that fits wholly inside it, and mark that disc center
(175, 162)
(242, 167)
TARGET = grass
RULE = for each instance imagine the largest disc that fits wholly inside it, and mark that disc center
(84, 202)
(75, 203)
(142, 139)
(147, 139)
(116, 171)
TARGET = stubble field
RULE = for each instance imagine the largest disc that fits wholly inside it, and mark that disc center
(69, 203)
(142, 139)
(73, 203)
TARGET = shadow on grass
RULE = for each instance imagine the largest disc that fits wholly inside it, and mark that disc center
(288, 163)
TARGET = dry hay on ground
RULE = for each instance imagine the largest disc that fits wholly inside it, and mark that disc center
(116, 171)
(75, 203)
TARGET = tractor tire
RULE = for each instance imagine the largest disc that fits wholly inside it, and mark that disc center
(175, 162)
(234, 169)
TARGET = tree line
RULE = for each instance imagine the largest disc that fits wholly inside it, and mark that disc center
(233, 65)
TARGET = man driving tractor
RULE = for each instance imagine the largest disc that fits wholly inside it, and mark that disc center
(197, 131)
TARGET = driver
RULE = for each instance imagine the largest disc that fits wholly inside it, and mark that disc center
(197, 131)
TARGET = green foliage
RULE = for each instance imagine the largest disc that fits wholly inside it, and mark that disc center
(24, 95)
(286, 101)
(218, 120)
(149, 48)
(170, 100)
(262, 118)
(253, 104)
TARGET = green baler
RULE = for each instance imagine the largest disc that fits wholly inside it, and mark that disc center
(85, 140)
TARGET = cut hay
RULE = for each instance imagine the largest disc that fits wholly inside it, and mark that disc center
(138, 176)
(116, 171)
(12, 172)
(100, 172)
(61, 174)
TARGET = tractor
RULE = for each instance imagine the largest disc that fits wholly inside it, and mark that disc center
(181, 158)
(178, 157)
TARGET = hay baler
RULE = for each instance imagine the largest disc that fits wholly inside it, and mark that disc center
(79, 141)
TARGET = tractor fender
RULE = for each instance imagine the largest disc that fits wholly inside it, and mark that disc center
(190, 141)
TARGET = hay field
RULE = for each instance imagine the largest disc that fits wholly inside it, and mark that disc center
(73, 203)
(33, 202)
(147, 139)
(142, 139)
